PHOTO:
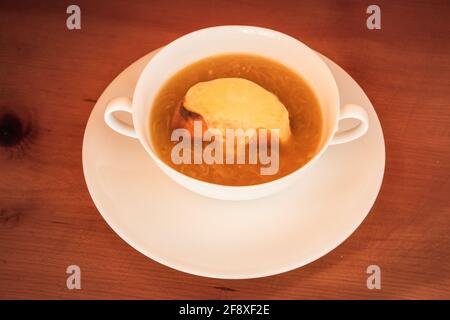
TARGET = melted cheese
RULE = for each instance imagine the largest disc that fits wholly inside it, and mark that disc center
(233, 103)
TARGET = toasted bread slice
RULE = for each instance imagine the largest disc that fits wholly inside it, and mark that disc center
(235, 103)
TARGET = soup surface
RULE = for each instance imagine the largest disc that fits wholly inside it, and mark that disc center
(304, 116)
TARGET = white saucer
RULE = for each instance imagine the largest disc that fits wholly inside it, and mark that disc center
(232, 240)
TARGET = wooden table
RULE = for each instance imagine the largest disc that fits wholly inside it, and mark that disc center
(52, 76)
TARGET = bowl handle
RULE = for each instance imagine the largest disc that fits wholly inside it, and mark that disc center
(119, 104)
(351, 111)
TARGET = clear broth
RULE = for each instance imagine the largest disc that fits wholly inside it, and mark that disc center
(304, 115)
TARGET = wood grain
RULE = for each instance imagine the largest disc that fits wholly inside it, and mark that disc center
(51, 78)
